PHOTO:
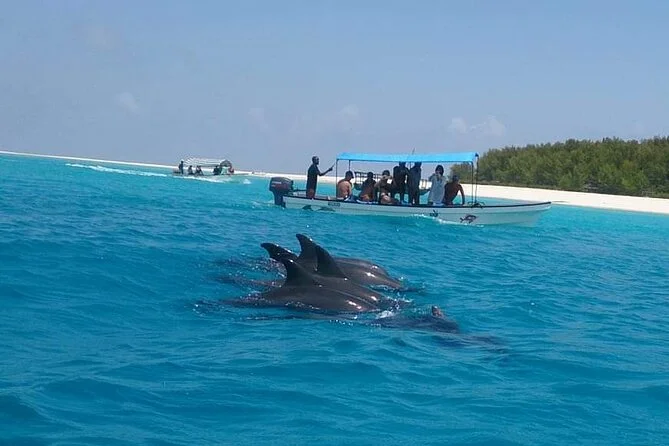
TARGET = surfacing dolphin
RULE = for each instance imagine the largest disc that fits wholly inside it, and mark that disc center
(335, 278)
(301, 290)
(328, 266)
(308, 258)
(434, 321)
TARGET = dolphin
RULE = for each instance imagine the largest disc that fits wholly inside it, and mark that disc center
(335, 278)
(326, 265)
(308, 258)
(435, 321)
(303, 291)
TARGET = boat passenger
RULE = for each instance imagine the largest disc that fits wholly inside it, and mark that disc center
(181, 167)
(436, 311)
(190, 170)
(198, 171)
(344, 187)
(386, 182)
(413, 183)
(400, 173)
(386, 198)
(217, 170)
(451, 191)
(385, 189)
(368, 188)
(438, 184)
(312, 176)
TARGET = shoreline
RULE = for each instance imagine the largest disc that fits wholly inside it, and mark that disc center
(557, 197)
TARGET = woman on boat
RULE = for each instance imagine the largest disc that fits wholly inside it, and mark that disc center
(438, 183)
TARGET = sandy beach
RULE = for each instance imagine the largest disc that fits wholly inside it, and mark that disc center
(565, 198)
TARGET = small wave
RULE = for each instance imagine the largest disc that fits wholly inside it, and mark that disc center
(217, 179)
(14, 407)
(99, 168)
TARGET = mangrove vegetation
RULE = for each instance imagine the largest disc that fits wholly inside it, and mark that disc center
(607, 166)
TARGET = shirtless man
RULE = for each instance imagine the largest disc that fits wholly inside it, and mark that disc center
(452, 189)
(344, 187)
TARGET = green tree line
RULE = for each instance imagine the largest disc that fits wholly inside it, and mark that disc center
(609, 166)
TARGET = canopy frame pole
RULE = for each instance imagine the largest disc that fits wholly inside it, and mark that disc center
(475, 175)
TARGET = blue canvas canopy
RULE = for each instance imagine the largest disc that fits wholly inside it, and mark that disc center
(447, 157)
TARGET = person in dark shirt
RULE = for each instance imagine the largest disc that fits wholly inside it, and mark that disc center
(312, 176)
(400, 173)
(413, 184)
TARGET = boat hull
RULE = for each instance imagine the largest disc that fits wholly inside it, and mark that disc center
(516, 214)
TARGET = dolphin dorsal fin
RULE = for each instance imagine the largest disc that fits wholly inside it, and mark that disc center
(296, 275)
(308, 257)
(327, 266)
(277, 252)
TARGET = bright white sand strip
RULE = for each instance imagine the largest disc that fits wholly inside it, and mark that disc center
(601, 201)
(92, 160)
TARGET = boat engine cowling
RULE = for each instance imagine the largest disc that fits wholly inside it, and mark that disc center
(280, 187)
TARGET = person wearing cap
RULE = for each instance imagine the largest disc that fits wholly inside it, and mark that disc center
(451, 191)
(312, 176)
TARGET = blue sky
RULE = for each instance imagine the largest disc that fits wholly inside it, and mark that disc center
(269, 83)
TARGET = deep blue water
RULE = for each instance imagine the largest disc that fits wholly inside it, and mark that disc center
(112, 334)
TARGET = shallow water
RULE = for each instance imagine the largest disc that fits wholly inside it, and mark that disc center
(110, 278)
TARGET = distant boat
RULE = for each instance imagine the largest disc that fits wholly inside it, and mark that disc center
(204, 167)
(471, 213)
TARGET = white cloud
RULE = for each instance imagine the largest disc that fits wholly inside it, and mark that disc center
(491, 126)
(127, 102)
(494, 127)
(350, 111)
(458, 125)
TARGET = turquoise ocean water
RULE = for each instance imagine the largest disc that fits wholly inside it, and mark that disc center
(110, 278)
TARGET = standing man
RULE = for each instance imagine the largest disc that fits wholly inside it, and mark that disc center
(312, 176)
(413, 183)
(400, 173)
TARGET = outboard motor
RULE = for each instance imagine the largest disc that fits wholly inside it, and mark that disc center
(280, 187)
